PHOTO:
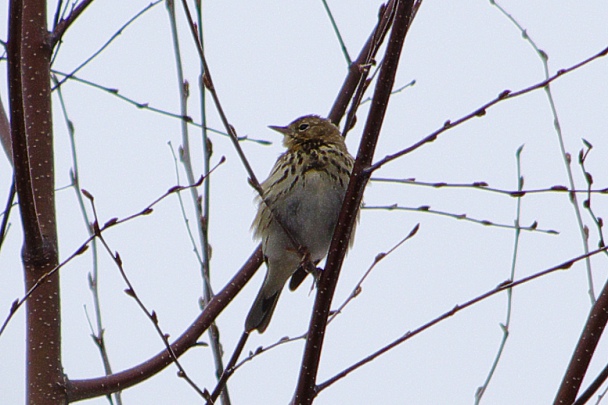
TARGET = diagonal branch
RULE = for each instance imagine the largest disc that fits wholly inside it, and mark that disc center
(306, 389)
(83, 389)
(587, 343)
(356, 71)
(504, 286)
(481, 111)
(208, 83)
(64, 24)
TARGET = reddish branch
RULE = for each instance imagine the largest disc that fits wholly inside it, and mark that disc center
(18, 136)
(83, 389)
(306, 389)
(32, 144)
(64, 24)
(356, 69)
(481, 111)
(504, 286)
(598, 317)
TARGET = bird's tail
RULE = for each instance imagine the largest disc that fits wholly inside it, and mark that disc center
(261, 311)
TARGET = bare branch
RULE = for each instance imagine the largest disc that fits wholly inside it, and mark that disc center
(504, 286)
(5, 133)
(461, 217)
(83, 389)
(587, 343)
(64, 24)
(481, 111)
(305, 391)
(355, 72)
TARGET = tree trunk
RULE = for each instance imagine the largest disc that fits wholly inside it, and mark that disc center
(32, 142)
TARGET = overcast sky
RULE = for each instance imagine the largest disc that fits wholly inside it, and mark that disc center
(271, 62)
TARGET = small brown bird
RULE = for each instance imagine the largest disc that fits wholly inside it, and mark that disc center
(304, 192)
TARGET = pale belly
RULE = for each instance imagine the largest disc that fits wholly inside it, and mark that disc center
(311, 211)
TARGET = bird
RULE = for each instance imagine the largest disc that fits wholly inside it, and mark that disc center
(298, 207)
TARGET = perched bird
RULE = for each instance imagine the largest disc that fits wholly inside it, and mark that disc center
(303, 196)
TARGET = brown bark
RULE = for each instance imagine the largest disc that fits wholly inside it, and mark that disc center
(306, 389)
(32, 141)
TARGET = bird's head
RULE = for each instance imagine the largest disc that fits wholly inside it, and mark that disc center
(309, 130)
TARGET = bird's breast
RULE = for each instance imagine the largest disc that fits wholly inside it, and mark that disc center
(311, 211)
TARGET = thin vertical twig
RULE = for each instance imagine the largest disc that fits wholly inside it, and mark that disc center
(505, 326)
(566, 157)
(98, 333)
(202, 220)
(204, 204)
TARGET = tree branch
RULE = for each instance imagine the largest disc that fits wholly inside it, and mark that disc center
(306, 389)
(587, 343)
(481, 111)
(83, 389)
(355, 71)
(32, 144)
(64, 24)
(5, 133)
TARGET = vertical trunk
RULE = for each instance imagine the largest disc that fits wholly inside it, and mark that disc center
(31, 133)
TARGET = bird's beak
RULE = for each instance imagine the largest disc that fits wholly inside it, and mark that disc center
(283, 130)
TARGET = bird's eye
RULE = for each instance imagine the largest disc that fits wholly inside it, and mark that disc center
(303, 127)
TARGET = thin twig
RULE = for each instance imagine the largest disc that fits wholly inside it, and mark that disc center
(379, 257)
(505, 326)
(146, 106)
(151, 315)
(566, 158)
(98, 334)
(481, 111)
(462, 217)
(504, 286)
(195, 250)
(223, 380)
(59, 10)
(7, 212)
(337, 32)
(482, 185)
(107, 43)
(186, 159)
(64, 24)
(396, 91)
(599, 222)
